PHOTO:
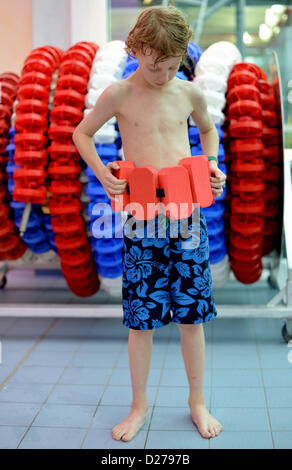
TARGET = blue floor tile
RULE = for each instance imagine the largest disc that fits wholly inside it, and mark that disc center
(281, 419)
(279, 396)
(17, 414)
(25, 393)
(242, 440)
(76, 394)
(282, 439)
(176, 440)
(37, 374)
(242, 418)
(236, 378)
(166, 418)
(94, 360)
(10, 436)
(238, 397)
(85, 375)
(52, 438)
(57, 415)
(277, 377)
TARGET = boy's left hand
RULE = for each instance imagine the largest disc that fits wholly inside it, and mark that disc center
(217, 180)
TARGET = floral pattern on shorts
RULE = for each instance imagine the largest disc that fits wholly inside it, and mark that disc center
(163, 272)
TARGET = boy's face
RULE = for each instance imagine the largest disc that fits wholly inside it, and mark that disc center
(160, 74)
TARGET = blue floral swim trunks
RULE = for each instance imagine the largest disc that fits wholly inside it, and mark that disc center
(166, 269)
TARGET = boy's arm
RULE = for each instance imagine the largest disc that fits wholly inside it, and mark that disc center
(208, 132)
(208, 136)
(104, 109)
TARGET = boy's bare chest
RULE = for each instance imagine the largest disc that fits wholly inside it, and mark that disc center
(164, 113)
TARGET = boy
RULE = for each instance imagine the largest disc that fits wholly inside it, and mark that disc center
(152, 107)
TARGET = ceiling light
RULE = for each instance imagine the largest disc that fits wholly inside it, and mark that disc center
(247, 39)
(278, 9)
(271, 18)
(265, 32)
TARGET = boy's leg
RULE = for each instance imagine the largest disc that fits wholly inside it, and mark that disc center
(140, 351)
(193, 350)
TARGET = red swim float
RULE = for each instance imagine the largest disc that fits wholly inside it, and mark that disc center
(177, 187)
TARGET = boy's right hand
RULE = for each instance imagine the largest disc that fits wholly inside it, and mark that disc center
(111, 184)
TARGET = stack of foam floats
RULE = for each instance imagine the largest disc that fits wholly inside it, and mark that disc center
(250, 112)
(211, 74)
(107, 68)
(30, 142)
(11, 246)
(64, 171)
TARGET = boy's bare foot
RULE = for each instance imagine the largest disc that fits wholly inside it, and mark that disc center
(129, 427)
(207, 425)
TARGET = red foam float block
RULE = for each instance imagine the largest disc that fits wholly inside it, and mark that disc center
(178, 199)
(271, 192)
(239, 206)
(4, 111)
(265, 87)
(241, 78)
(30, 122)
(243, 92)
(268, 101)
(35, 196)
(180, 187)
(30, 157)
(271, 173)
(9, 243)
(35, 77)
(247, 224)
(32, 106)
(243, 127)
(250, 242)
(245, 168)
(76, 54)
(199, 174)
(245, 107)
(69, 97)
(270, 135)
(248, 277)
(38, 65)
(70, 240)
(63, 114)
(62, 134)
(269, 117)
(246, 148)
(33, 91)
(29, 174)
(28, 140)
(74, 66)
(6, 99)
(72, 81)
(244, 66)
(143, 182)
(123, 172)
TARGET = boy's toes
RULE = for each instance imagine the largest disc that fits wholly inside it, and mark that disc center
(212, 431)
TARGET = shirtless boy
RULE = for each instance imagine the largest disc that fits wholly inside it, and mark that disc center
(152, 107)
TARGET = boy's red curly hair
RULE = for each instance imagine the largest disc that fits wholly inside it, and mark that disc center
(163, 30)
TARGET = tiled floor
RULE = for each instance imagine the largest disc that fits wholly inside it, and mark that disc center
(66, 383)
